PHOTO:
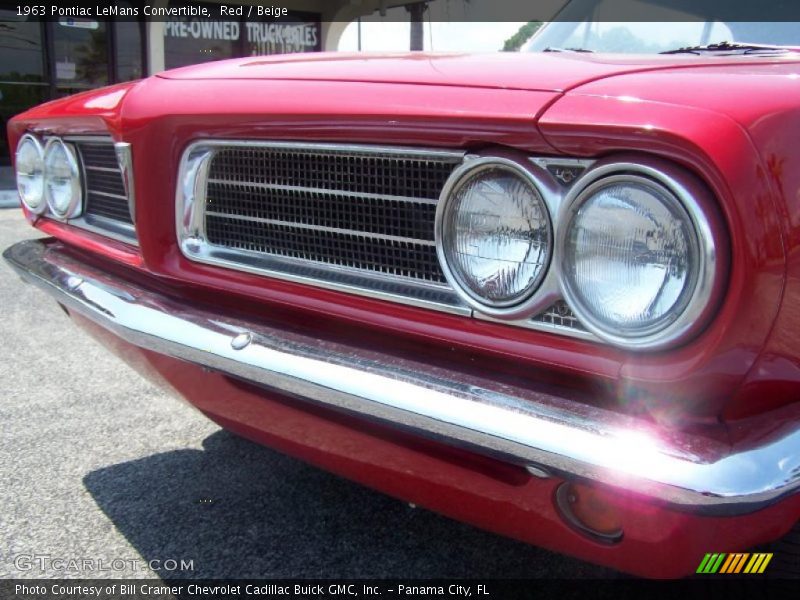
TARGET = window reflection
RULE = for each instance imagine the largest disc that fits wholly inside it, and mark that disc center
(21, 49)
(128, 53)
(80, 49)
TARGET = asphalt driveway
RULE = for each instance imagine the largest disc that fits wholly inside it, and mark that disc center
(97, 464)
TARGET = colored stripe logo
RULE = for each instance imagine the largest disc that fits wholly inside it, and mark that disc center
(737, 562)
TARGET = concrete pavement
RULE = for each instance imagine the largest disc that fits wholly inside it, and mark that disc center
(8, 188)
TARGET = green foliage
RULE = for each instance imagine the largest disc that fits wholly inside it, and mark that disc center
(525, 32)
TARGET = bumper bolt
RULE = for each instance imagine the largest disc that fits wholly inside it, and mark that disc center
(241, 341)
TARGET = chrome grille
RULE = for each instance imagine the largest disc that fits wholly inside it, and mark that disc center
(559, 315)
(107, 210)
(353, 172)
(105, 192)
(355, 209)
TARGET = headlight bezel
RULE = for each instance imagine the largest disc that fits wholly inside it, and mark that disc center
(75, 205)
(42, 205)
(696, 201)
(544, 289)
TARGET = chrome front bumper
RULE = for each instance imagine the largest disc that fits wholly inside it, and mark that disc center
(546, 433)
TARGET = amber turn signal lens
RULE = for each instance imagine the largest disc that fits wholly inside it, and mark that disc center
(590, 511)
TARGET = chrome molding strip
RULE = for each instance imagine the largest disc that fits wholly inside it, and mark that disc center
(525, 427)
(307, 227)
(352, 150)
(315, 190)
(108, 194)
(101, 169)
(116, 230)
(89, 139)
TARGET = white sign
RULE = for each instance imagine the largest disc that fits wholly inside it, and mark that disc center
(78, 23)
(280, 38)
(262, 38)
(65, 70)
(202, 30)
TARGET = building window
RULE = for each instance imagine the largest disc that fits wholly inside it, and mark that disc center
(128, 48)
(80, 54)
(23, 79)
(40, 60)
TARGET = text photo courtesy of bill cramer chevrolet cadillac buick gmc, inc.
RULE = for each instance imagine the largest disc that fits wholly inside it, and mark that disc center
(399, 298)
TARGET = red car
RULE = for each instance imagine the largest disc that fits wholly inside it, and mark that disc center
(553, 294)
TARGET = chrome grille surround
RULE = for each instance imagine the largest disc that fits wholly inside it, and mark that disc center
(107, 204)
(308, 213)
(353, 218)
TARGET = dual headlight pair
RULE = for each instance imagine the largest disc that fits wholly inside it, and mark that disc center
(629, 247)
(49, 176)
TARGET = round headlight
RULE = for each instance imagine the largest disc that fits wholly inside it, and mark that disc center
(494, 236)
(29, 166)
(62, 183)
(631, 259)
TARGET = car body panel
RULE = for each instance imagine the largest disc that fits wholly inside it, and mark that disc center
(556, 71)
(732, 122)
(701, 377)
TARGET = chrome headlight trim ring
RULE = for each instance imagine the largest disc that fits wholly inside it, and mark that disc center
(543, 290)
(698, 204)
(30, 138)
(75, 205)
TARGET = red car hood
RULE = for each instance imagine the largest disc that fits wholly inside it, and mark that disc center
(552, 72)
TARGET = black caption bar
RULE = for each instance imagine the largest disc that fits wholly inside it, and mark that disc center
(392, 10)
(175, 589)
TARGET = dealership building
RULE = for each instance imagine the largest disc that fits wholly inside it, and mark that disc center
(47, 58)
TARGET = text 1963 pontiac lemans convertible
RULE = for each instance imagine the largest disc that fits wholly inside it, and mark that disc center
(553, 294)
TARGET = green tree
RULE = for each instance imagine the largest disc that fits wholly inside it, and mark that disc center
(525, 32)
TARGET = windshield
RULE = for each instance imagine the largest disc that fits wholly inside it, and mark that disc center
(581, 26)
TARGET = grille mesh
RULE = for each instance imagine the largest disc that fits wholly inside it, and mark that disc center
(105, 191)
(365, 211)
(559, 315)
(351, 171)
